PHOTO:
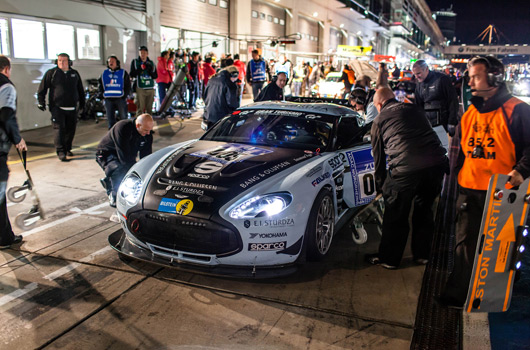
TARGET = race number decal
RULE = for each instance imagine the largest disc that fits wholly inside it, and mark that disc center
(230, 152)
(362, 172)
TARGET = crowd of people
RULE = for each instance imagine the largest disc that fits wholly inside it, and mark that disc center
(409, 140)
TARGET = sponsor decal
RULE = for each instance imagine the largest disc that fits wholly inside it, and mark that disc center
(199, 176)
(269, 223)
(313, 171)
(272, 246)
(208, 167)
(166, 162)
(184, 207)
(268, 235)
(336, 162)
(319, 179)
(279, 112)
(362, 172)
(304, 157)
(264, 173)
(168, 205)
(187, 190)
(164, 181)
(231, 152)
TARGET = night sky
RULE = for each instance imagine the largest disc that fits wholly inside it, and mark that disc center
(511, 17)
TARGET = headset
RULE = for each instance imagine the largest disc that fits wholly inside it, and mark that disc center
(494, 68)
(70, 62)
(117, 61)
(358, 95)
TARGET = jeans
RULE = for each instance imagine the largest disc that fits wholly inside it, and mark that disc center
(6, 232)
(162, 89)
(194, 91)
(257, 86)
(111, 106)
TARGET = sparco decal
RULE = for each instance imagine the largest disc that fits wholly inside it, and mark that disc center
(264, 174)
(231, 152)
(208, 167)
(255, 247)
(269, 223)
(319, 179)
(199, 176)
(268, 235)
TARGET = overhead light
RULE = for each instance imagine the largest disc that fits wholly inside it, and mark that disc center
(315, 14)
(276, 0)
(359, 32)
(341, 25)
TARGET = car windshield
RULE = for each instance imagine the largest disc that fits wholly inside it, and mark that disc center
(285, 129)
(333, 79)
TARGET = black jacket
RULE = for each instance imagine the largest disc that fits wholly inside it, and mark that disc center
(519, 128)
(402, 132)
(271, 92)
(221, 97)
(124, 141)
(437, 96)
(136, 68)
(9, 133)
(65, 89)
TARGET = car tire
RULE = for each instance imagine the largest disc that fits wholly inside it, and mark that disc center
(320, 226)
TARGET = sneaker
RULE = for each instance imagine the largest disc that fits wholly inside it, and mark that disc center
(69, 154)
(112, 200)
(375, 260)
(421, 261)
(16, 240)
(62, 157)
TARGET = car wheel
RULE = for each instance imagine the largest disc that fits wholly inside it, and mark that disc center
(320, 226)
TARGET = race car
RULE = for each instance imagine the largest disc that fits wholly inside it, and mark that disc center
(263, 190)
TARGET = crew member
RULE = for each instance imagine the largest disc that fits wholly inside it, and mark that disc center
(257, 71)
(436, 95)
(494, 138)
(274, 90)
(221, 96)
(362, 103)
(163, 79)
(416, 165)
(143, 70)
(348, 78)
(65, 92)
(114, 86)
(9, 134)
(117, 151)
(193, 80)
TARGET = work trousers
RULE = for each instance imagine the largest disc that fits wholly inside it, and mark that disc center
(64, 124)
(469, 209)
(111, 106)
(6, 232)
(114, 170)
(399, 192)
(144, 101)
(257, 86)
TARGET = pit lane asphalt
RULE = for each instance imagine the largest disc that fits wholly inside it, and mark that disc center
(65, 288)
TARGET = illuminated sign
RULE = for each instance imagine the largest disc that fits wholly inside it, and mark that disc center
(487, 50)
(346, 50)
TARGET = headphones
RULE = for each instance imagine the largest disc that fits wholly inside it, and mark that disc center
(117, 61)
(358, 95)
(494, 68)
(70, 62)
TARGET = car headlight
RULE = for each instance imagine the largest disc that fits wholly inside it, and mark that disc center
(131, 188)
(266, 205)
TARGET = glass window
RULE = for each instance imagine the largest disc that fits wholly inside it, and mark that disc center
(212, 2)
(25, 32)
(223, 4)
(254, 14)
(276, 20)
(4, 37)
(282, 22)
(170, 38)
(262, 15)
(269, 18)
(202, 0)
(60, 38)
(88, 44)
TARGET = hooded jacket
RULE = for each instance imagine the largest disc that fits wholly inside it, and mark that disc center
(221, 97)
(162, 70)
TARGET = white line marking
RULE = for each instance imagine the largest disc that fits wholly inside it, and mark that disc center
(50, 277)
(65, 219)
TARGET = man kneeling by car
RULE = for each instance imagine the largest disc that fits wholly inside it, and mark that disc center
(116, 152)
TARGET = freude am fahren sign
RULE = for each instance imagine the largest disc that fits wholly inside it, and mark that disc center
(487, 50)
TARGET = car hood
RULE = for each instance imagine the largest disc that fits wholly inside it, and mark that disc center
(200, 179)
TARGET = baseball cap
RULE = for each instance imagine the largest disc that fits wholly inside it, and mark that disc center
(143, 48)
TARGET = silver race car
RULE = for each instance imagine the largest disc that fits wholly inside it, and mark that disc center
(266, 188)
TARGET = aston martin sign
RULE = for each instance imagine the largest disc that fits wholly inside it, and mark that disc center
(487, 50)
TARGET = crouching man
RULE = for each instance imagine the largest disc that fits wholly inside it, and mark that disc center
(117, 151)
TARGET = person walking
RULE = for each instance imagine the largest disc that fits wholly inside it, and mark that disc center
(257, 71)
(9, 134)
(416, 166)
(143, 71)
(221, 96)
(114, 86)
(117, 150)
(66, 97)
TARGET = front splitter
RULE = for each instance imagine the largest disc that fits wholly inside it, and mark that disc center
(119, 242)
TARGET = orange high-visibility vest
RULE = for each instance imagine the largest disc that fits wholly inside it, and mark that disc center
(491, 131)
